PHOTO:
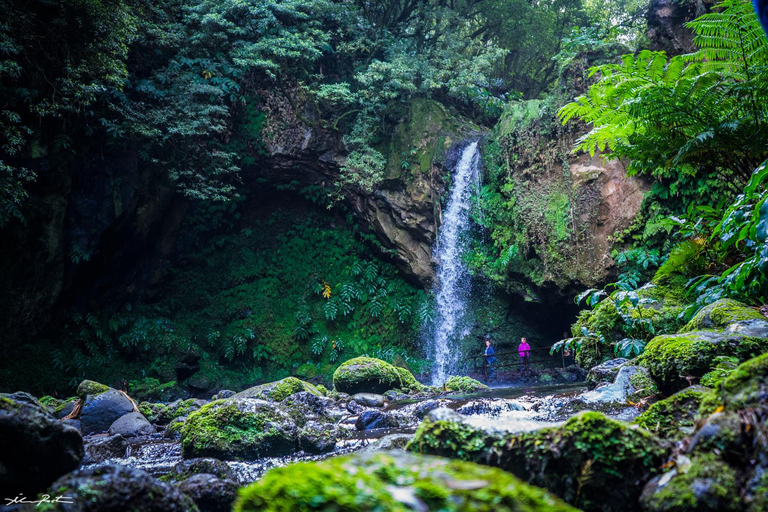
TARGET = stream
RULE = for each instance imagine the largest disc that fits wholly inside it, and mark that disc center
(517, 409)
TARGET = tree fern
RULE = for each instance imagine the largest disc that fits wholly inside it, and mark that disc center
(703, 112)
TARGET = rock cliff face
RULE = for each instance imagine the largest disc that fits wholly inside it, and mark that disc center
(666, 24)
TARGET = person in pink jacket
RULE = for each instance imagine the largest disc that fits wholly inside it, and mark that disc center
(524, 351)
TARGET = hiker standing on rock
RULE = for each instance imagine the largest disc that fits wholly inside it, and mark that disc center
(490, 357)
(524, 350)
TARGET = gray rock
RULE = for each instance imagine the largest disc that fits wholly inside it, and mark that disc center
(604, 372)
(100, 411)
(354, 407)
(224, 393)
(119, 488)
(370, 399)
(370, 420)
(423, 408)
(72, 423)
(316, 437)
(35, 448)
(99, 449)
(445, 414)
(389, 442)
(131, 425)
(210, 493)
(202, 465)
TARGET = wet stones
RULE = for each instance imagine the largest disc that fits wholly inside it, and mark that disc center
(35, 448)
(100, 449)
(370, 420)
(604, 372)
(131, 425)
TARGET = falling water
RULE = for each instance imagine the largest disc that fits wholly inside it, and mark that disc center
(453, 279)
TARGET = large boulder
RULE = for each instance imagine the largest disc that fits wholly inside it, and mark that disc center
(316, 437)
(724, 313)
(35, 448)
(132, 424)
(279, 390)
(617, 457)
(162, 414)
(465, 385)
(675, 416)
(110, 488)
(101, 406)
(705, 484)
(393, 482)
(604, 372)
(370, 375)
(243, 429)
(675, 359)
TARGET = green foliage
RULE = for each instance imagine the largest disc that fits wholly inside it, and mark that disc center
(702, 114)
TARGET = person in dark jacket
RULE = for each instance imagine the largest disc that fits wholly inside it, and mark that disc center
(490, 357)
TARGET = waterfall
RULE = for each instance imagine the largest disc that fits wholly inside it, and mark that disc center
(453, 278)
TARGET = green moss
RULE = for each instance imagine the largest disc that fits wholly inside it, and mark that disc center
(465, 385)
(279, 390)
(367, 374)
(589, 461)
(708, 485)
(306, 371)
(162, 414)
(674, 417)
(672, 357)
(237, 429)
(89, 387)
(644, 385)
(757, 492)
(747, 386)
(720, 314)
(388, 482)
(64, 404)
(408, 381)
(150, 388)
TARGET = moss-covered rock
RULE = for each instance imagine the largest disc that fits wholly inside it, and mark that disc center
(591, 461)
(604, 372)
(279, 390)
(674, 417)
(370, 375)
(393, 482)
(151, 390)
(465, 385)
(722, 313)
(162, 414)
(643, 384)
(747, 386)
(89, 387)
(709, 484)
(238, 429)
(673, 357)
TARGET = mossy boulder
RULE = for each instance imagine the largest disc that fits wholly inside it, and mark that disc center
(663, 302)
(671, 358)
(604, 372)
(279, 390)
(674, 417)
(371, 375)
(89, 387)
(239, 429)
(723, 313)
(707, 484)
(393, 482)
(465, 385)
(113, 487)
(747, 386)
(150, 389)
(163, 414)
(591, 461)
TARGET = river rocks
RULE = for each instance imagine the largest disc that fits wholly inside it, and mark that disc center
(243, 429)
(368, 375)
(101, 406)
(676, 359)
(100, 449)
(35, 449)
(209, 492)
(278, 391)
(370, 399)
(190, 467)
(488, 407)
(162, 414)
(110, 488)
(389, 442)
(131, 425)
(465, 385)
(316, 437)
(618, 458)
(604, 372)
(706, 484)
(421, 409)
(674, 417)
(393, 481)
(370, 420)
